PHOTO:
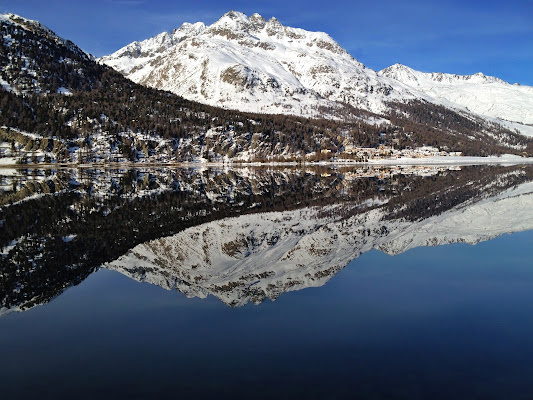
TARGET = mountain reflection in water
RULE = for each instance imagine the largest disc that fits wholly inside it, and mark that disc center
(243, 234)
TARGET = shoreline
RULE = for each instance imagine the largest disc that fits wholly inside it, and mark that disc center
(429, 161)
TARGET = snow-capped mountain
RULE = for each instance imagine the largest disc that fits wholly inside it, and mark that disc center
(251, 258)
(251, 64)
(481, 94)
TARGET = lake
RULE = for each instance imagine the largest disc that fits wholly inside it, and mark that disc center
(320, 282)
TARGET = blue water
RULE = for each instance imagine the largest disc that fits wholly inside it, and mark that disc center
(448, 322)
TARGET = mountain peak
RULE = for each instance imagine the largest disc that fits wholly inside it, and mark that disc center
(190, 29)
(38, 46)
(274, 27)
(399, 66)
(14, 18)
(399, 72)
(231, 24)
(233, 19)
(235, 15)
(395, 68)
(238, 21)
(258, 21)
(39, 29)
(482, 78)
(252, 58)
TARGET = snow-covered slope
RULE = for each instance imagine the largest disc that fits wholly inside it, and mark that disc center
(251, 64)
(251, 258)
(481, 94)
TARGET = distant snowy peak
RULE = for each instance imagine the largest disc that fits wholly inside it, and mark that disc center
(187, 30)
(232, 26)
(235, 25)
(408, 75)
(484, 95)
(235, 21)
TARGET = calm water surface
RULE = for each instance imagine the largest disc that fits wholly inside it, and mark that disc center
(213, 283)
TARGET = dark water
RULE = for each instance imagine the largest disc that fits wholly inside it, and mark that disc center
(453, 320)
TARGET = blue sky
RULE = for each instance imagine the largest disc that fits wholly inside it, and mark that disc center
(455, 36)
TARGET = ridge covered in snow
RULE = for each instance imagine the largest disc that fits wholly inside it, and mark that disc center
(251, 64)
(478, 93)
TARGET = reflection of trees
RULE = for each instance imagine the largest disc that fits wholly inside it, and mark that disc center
(57, 240)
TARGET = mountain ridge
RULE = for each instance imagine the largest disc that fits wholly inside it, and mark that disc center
(476, 92)
(275, 63)
(330, 78)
